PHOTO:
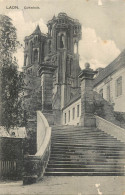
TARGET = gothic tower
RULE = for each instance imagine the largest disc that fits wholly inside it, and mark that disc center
(51, 65)
(63, 38)
(34, 53)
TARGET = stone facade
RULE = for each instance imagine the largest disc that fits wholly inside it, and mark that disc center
(52, 80)
(58, 50)
(87, 100)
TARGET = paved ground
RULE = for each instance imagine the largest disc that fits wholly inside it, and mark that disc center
(68, 186)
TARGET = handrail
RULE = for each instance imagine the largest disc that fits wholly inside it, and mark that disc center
(34, 165)
(110, 128)
(45, 143)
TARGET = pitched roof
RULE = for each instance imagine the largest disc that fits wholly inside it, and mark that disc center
(111, 68)
(74, 98)
(37, 31)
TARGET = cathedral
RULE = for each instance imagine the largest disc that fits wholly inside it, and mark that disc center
(51, 74)
(51, 61)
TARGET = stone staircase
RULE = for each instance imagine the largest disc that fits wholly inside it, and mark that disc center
(80, 151)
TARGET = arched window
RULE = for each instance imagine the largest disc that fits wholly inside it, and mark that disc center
(26, 45)
(49, 47)
(62, 41)
(67, 65)
(68, 42)
(26, 60)
(31, 50)
(35, 55)
(70, 67)
(43, 45)
(75, 47)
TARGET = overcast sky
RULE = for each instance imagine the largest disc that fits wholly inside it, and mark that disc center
(103, 25)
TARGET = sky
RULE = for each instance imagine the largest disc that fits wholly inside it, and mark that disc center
(103, 25)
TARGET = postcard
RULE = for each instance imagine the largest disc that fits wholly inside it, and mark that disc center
(62, 97)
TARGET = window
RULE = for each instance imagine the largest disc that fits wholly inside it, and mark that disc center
(77, 110)
(49, 46)
(35, 55)
(119, 86)
(43, 45)
(26, 60)
(31, 50)
(73, 113)
(70, 68)
(101, 92)
(62, 41)
(65, 118)
(75, 47)
(26, 44)
(69, 115)
(108, 92)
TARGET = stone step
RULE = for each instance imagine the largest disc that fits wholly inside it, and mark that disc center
(89, 151)
(85, 145)
(83, 136)
(83, 149)
(62, 127)
(88, 143)
(86, 166)
(82, 140)
(97, 169)
(87, 162)
(89, 155)
(113, 160)
(84, 174)
(78, 132)
(79, 151)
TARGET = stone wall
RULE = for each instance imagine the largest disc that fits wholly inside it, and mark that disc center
(34, 165)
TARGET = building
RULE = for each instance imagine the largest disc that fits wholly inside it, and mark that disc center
(63, 95)
(110, 83)
(58, 50)
(51, 69)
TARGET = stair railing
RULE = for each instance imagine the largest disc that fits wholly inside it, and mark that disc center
(110, 128)
(34, 165)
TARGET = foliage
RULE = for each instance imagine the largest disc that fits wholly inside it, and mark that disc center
(30, 143)
(119, 116)
(8, 38)
(10, 79)
(99, 108)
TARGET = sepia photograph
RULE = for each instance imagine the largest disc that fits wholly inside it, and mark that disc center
(62, 97)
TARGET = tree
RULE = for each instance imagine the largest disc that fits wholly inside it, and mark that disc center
(10, 79)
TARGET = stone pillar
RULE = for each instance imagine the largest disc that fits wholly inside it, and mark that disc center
(87, 116)
(46, 72)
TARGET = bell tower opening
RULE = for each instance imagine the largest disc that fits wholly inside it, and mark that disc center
(65, 36)
(62, 41)
(35, 55)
